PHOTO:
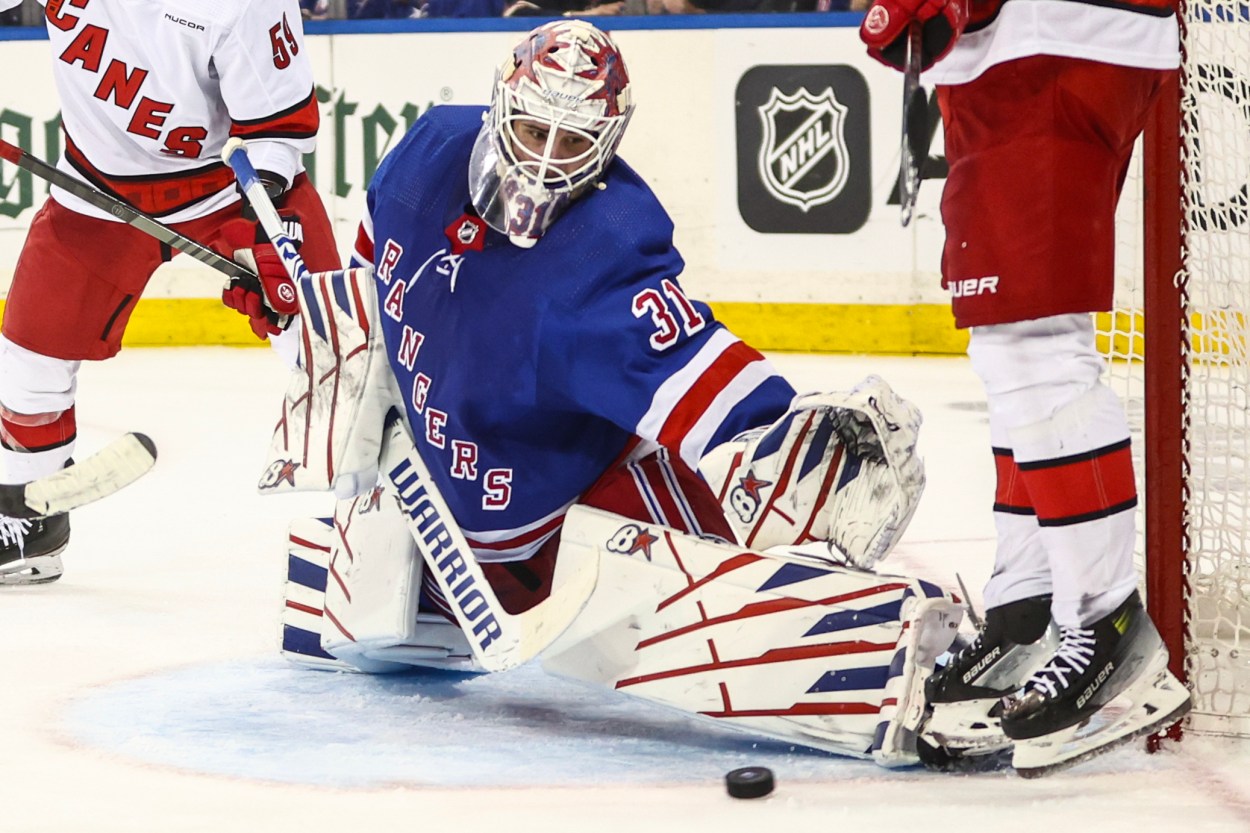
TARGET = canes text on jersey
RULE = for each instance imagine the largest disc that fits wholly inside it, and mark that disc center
(121, 84)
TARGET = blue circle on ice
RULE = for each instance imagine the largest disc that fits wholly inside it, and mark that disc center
(268, 720)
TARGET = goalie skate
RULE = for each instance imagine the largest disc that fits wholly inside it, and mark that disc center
(1106, 685)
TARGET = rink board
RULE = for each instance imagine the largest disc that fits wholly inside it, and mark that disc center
(774, 149)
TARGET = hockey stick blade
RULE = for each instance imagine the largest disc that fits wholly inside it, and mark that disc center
(123, 211)
(117, 465)
(914, 125)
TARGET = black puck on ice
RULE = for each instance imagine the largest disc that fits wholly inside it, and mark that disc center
(749, 782)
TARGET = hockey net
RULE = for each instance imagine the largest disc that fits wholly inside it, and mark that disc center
(1178, 352)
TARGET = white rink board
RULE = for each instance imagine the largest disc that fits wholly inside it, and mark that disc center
(682, 140)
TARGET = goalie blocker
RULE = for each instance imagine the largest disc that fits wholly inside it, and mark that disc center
(783, 645)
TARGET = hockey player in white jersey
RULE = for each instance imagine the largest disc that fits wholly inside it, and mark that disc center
(546, 449)
(1041, 104)
(150, 91)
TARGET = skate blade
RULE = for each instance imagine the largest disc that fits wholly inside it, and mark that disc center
(956, 760)
(965, 727)
(1162, 703)
(43, 569)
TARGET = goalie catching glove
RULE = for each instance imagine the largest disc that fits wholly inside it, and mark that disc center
(838, 467)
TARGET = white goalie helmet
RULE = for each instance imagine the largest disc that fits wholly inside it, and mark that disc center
(560, 105)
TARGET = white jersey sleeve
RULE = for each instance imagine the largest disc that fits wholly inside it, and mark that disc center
(267, 85)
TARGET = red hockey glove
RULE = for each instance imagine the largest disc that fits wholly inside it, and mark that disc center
(269, 299)
(884, 29)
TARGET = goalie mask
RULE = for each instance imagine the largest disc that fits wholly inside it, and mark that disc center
(560, 105)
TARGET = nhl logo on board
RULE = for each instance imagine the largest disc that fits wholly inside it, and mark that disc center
(803, 158)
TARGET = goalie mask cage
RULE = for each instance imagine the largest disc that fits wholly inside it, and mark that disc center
(1178, 353)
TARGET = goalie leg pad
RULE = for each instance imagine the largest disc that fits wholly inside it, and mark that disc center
(373, 593)
(353, 594)
(930, 625)
(793, 648)
(303, 604)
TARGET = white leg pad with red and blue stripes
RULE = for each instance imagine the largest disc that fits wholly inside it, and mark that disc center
(345, 612)
(794, 648)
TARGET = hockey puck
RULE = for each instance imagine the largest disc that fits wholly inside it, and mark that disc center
(749, 782)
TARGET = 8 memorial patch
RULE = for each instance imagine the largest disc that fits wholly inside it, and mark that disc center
(804, 149)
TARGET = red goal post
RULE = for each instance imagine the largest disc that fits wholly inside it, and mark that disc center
(1179, 353)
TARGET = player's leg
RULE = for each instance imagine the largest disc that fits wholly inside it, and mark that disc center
(1077, 466)
(785, 645)
(1077, 469)
(1045, 242)
(1017, 635)
(655, 488)
(37, 434)
(861, 644)
(73, 290)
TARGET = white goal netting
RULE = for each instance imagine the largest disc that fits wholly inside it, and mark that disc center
(1214, 378)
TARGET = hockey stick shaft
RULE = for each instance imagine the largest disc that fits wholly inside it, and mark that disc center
(235, 155)
(913, 109)
(122, 211)
(117, 465)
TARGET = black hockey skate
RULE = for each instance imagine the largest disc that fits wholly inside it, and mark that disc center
(962, 729)
(30, 550)
(1105, 685)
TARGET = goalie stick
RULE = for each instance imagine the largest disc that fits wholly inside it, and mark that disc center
(117, 465)
(500, 640)
(915, 128)
(123, 211)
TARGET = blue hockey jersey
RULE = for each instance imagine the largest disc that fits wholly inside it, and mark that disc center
(527, 373)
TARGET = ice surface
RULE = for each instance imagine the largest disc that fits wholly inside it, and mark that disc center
(142, 692)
